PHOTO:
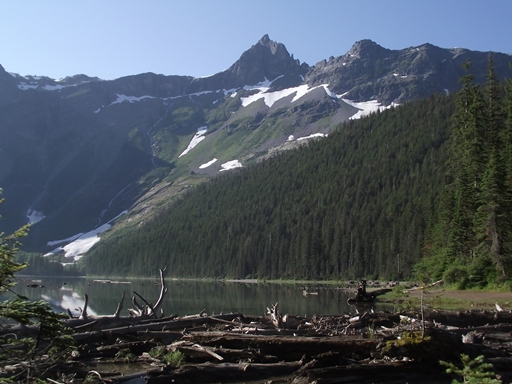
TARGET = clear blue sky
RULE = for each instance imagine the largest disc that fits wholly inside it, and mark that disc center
(115, 38)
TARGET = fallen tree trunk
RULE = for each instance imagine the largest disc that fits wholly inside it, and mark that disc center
(380, 372)
(160, 326)
(468, 318)
(222, 373)
(289, 348)
(135, 347)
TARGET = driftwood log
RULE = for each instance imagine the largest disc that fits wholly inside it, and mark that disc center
(325, 349)
(367, 347)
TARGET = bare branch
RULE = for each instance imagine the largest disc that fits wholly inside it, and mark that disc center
(119, 307)
(163, 290)
(83, 315)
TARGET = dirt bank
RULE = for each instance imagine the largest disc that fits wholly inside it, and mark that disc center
(471, 298)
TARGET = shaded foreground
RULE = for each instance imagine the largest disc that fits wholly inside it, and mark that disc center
(233, 348)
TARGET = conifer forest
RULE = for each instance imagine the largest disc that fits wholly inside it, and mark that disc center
(419, 190)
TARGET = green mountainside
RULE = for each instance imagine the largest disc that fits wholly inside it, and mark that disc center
(350, 205)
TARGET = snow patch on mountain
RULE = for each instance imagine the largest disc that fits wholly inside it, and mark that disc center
(270, 98)
(131, 99)
(230, 165)
(24, 86)
(82, 242)
(34, 216)
(121, 98)
(198, 137)
(53, 87)
(312, 136)
(367, 107)
(206, 165)
(34, 83)
(69, 239)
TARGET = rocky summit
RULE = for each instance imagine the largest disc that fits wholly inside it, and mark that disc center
(80, 155)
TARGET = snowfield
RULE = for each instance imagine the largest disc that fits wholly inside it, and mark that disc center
(198, 137)
(270, 98)
(206, 165)
(230, 165)
(81, 243)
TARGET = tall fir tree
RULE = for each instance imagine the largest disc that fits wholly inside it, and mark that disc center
(471, 239)
(491, 224)
(466, 162)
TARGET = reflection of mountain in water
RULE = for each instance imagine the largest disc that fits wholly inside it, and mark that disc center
(72, 302)
(191, 297)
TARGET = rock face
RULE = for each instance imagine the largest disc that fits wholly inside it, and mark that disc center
(79, 151)
(369, 71)
(266, 60)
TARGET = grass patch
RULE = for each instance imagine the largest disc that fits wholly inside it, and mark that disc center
(170, 358)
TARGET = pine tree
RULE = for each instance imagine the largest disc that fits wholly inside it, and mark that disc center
(473, 231)
(492, 226)
(491, 221)
(466, 162)
(52, 338)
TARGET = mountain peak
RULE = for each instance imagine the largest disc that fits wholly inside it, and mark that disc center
(274, 46)
(265, 39)
(266, 59)
(366, 47)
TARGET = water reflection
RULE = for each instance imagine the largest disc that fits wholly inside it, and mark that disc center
(186, 297)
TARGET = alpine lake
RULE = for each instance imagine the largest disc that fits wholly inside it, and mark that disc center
(189, 297)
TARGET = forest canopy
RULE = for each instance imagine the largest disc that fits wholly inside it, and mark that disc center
(469, 242)
(354, 204)
(422, 190)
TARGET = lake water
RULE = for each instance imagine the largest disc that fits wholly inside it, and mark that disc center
(187, 297)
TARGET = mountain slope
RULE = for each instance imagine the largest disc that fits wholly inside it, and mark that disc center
(75, 153)
(350, 205)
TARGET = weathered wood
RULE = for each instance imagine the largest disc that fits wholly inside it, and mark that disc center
(468, 318)
(166, 337)
(382, 372)
(148, 309)
(424, 286)
(289, 348)
(275, 316)
(223, 372)
(491, 329)
(198, 351)
(136, 347)
(166, 325)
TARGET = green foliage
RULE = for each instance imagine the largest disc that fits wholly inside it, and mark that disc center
(51, 337)
(171, 358)
(409, 339)
(174, 358)
(157, 352)
(469, 239)
(125, 355)
(456, 275)
(412, 344)
(472, 371)
(9, 245)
